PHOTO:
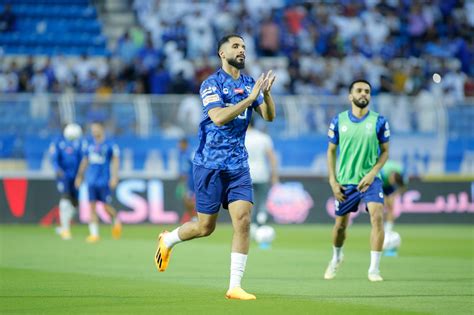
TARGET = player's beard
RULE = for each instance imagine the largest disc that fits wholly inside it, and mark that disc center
(361, 103)
(234, 63)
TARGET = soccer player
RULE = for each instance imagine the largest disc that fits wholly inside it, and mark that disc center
(66, 155)
(263, 171)
(101, 160)
(220, 167)
(185, 188)
(393, 184)
(362, 137)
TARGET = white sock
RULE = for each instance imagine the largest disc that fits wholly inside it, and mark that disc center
(66, 211)
(237, 268)
(94, 228)
(374, 261)
(336, 253)
(388, 227)
(172, 238)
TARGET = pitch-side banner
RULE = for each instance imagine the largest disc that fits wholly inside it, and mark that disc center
(294, 201)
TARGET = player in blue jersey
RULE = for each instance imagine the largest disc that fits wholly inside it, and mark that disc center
(221, 171)
(185, 188)
(100, 165)
(362, 137)
(66, 156)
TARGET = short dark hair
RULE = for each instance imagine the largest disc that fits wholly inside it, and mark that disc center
(225, 39)
(359, 81)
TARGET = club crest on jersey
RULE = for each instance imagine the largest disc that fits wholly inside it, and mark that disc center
(225, 90)
(247, 88)
(238, 91)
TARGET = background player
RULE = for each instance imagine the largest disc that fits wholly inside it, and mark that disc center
(263, 170)
(393, 184)
(360, 134)
(185, 188)
(101, 160)
(66, 156)
(221, 172)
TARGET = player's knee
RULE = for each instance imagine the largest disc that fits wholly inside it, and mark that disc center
(341, 226)
(243, 222)
(206, 229)
(376, 218)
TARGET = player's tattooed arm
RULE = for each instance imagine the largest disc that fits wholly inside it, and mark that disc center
(222, 115)
(337, 189)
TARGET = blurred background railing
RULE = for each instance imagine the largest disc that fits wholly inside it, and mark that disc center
(428, 136)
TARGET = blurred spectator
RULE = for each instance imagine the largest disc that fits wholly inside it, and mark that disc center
(126, 49)
(269, 38)
(160, 80)
(39, 82)
(324, 44)
(179, 84)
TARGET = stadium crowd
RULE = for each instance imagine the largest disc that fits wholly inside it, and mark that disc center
(316, 47)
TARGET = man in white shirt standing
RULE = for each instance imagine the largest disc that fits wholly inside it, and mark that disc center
(263, 170)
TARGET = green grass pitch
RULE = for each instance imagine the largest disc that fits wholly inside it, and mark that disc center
(41, 274)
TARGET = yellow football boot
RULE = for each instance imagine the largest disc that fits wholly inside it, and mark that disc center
(65, 235)
(92, 239)
(163, 253)
(117, 231)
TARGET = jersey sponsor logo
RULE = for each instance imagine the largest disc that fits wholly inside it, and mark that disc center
(210, 98)
(344, 128)
(239, 91)
(331, 133)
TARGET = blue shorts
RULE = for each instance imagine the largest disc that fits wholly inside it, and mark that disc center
(354, 197)
(100, 193)
(216, 187)
(388, 190)
(66, 187)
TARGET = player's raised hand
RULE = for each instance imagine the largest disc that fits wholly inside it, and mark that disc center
(257, 88)
(268, 81)
(338, 192)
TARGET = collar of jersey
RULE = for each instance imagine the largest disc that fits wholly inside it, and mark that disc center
(355, 119)
(229, 76)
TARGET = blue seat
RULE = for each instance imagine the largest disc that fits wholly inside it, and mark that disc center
(7, 142)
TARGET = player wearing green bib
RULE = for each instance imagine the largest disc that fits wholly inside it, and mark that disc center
(362, 138)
